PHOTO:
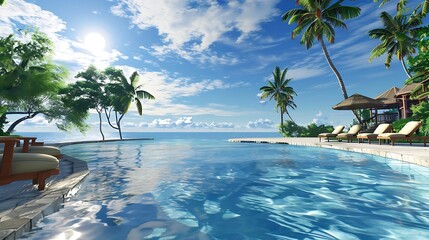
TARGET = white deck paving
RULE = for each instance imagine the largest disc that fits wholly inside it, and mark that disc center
(416, 153)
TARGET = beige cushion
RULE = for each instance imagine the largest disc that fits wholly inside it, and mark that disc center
(53, 151)
(345, 135)
(32, 162)
(334, 133)
(355, 129)
(367, 135)
(327, 135)
(382, 128)
(338, 129)
(391, 135)
(410, 127)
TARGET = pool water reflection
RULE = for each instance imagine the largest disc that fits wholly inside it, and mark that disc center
(212, 189)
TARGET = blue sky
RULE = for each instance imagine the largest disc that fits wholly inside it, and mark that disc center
(205, 61)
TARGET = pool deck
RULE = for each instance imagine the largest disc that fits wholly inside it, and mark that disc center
(22, 205)
(416, 153)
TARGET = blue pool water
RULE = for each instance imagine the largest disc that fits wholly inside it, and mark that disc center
(213, 189)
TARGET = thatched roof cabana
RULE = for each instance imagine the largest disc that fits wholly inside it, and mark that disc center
(357, 101)
(388, 98)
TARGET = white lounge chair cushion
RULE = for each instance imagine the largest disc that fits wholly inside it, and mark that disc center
(367, 135)
(53, 151)
(345, 135)
(382, 128)
(410, 127)
(334, 133)
(338, 129)
(391, 135)
(355, 129)
(32, 162)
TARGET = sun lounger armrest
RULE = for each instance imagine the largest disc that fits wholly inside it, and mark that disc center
(6, 163)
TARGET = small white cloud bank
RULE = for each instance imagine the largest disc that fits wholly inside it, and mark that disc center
(181, 123)
(261, 123)
(320, 119)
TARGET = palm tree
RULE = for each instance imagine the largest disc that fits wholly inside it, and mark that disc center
(280, 92)
(397, 37)
(401, 5)
(283, 104)
(122, 93)
(317, 18)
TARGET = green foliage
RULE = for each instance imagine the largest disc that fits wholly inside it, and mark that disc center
(318, 18)
(30, 83)
(419, 66)
(3, 121)
(424, 5)
(421, 113)
(291, 129)
(397, 37)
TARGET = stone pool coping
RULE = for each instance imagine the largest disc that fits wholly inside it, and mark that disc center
(416, 153)
(22, 205)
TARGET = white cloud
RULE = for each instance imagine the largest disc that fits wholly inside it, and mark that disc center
(189, 28)
(18, 13)
(184, 123)
(167, 88)
(261, 123)
(320, 119)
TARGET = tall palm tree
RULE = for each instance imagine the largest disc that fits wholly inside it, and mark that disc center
(317, 18)
(397, 37)
(122, 93)
(280, 92)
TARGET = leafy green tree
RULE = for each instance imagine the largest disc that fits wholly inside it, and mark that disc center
(121, 94)
(316, 19)
(2, 2)
(280, 91)
(421, 113)
(291, 129)
(91, 92)
(397, 37)
(419, 66)
(30, 82)
(313, 130)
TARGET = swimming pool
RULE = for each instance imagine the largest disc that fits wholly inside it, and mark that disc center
(211, 189)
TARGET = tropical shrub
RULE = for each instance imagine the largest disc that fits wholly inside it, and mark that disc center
(421, 113)
(291, 129)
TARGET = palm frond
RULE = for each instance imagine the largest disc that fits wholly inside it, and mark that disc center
(142, 94)
(139, 106)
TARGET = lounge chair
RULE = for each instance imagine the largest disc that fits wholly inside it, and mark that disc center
(337, 130)
(382, 128)
(351, 134)
(25, 166)
(30, 145)
(406, 133)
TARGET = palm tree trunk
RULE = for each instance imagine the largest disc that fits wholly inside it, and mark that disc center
(20, 120)
(337, 74)
(287, 112)
(281, 118)
(100, 124)
(405, 68)
(118, 123)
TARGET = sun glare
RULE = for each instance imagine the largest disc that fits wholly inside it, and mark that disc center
(94, 42)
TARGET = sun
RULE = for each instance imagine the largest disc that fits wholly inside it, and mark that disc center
(94, 42)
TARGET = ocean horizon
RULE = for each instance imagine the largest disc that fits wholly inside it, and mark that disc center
(59, 137)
